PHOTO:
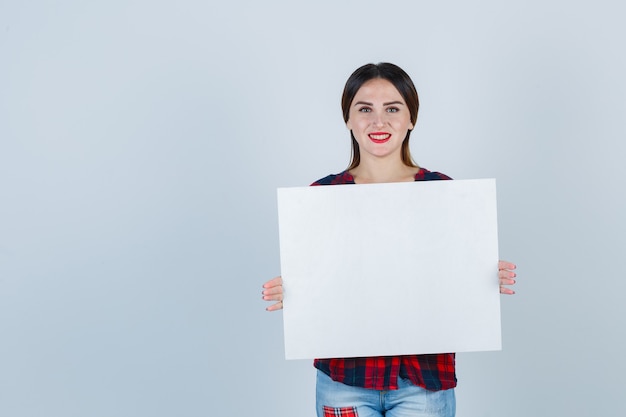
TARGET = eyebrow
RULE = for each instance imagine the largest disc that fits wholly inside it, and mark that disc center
(384, 104)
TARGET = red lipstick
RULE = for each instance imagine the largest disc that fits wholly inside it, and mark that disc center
(379, 137)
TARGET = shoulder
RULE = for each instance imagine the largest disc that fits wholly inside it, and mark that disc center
(425, 175)
(334, 179)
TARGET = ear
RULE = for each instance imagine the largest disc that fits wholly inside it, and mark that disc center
(411, 126)
(349, 125)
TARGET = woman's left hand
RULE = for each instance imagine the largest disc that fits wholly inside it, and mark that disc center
(506, 276)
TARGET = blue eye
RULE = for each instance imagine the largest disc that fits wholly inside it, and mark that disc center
(393, 110)
(365, 110)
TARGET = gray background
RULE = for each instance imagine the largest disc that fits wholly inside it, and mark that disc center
(141, 144)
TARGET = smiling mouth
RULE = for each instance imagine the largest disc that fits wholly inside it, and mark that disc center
(379, 137)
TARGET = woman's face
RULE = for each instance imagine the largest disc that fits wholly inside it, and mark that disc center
(379, 119)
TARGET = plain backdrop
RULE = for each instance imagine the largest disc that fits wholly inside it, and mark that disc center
(142, 142)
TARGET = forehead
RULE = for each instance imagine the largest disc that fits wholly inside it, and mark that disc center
(378, 89)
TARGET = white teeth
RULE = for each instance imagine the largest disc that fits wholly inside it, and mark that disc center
(380, 137)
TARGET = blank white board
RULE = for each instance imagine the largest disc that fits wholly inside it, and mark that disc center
(389, 269)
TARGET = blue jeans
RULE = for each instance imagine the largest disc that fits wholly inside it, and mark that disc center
(337, 399)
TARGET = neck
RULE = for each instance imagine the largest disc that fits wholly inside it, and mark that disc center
(382, 170)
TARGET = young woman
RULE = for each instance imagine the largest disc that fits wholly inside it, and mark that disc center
(380, 105)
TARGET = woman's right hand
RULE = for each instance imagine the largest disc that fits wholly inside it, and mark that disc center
(273, 291)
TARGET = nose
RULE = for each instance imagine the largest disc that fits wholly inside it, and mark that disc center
(379, 119)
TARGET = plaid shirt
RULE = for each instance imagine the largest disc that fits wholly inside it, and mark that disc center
(433, 372)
